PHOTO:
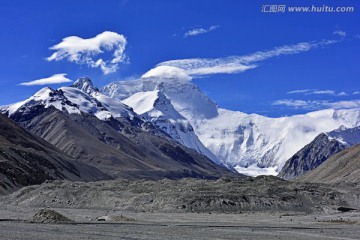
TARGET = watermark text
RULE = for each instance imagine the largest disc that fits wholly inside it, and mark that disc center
(306, 9)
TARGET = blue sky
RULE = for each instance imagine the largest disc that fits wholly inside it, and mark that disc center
(274, 64)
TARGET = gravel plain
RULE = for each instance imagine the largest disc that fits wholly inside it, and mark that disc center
(15, 225)
(256, 208)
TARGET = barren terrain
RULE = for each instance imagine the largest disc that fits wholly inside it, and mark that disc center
(255, 208)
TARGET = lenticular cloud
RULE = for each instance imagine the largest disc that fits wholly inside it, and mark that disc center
(54, 79)
(167, 72)
(89, 51)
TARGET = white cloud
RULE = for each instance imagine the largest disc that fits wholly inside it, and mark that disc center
(300, 91)
(291, 103)
(317, 92)
(236, 64)
(343, 104)
(342, 94)
(198, 31)
(326, 92)
(356, 93)
(340, 33)
(318, 104)
(85, 51)
(54, 79)
(167, 72)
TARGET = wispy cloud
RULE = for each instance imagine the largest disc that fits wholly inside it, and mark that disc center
(198, 31)
(312, 105)
(356, 93)
(323, 92)
(300, 91)
(340, 33)
(54, 79)
(291, 103)
(317, 92)
(84, 51)
(237, 64)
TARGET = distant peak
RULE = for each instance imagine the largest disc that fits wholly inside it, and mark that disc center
(85, 84)
(82, 81)
(342, 128)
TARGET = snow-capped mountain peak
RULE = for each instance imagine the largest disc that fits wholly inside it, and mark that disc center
(153, 103)
(185, 96)
(45, 97)
(155, 107)
(81, 97)
(85, 84)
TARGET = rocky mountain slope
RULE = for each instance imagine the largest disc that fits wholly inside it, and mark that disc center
(341, 167)
(310, 156)
(251, 143)
(320, 149)
(26, 159)
(107, 134)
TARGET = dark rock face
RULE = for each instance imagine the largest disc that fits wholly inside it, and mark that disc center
(119, 147)
(311, 156)
(26, 159)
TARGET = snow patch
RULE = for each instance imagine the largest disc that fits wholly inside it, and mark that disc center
(254, 170)
(142, 102)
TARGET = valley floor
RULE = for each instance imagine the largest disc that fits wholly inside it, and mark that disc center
(254, 208)
(180, 225)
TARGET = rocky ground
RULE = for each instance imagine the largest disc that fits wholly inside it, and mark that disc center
(190, 195)
(254, 208)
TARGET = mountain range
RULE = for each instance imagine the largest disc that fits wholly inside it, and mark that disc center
(250, 143)
(104, 133)
(153, 112)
